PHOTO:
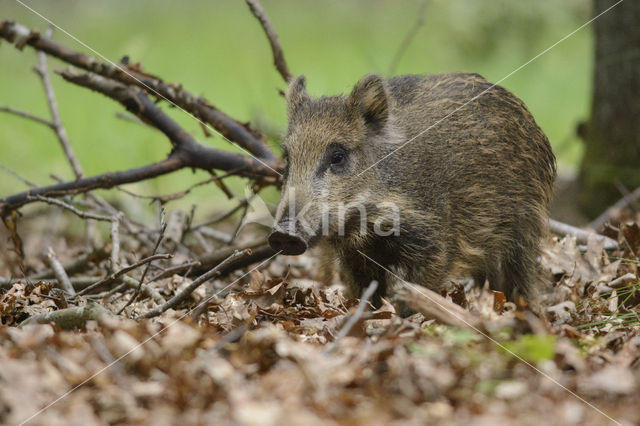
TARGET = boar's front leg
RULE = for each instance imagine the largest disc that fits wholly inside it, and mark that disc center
(357, 272)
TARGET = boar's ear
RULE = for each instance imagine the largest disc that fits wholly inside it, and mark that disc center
(296, 95)
(369, 98)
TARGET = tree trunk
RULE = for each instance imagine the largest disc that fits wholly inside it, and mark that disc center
(612, 135)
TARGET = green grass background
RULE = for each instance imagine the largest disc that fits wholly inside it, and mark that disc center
(216, 48)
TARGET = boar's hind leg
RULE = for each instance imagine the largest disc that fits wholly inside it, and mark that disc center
(521, 274)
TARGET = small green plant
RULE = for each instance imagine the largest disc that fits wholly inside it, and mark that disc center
(622, 316)
(532, 348)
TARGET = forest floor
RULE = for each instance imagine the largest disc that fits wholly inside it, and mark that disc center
(267, 350)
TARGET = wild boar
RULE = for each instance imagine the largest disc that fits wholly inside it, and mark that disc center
(433, 177)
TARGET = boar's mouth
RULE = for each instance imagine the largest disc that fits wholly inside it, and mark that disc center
(286, 239)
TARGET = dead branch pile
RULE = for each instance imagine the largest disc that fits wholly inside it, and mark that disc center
(243, 336)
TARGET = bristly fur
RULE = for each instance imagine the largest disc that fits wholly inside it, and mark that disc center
(473, 190)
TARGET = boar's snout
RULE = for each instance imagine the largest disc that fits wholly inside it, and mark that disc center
(286, 240)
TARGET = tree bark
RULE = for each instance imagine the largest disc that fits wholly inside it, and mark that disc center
(612, 135)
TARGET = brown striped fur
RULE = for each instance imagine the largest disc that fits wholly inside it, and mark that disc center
(473, 190)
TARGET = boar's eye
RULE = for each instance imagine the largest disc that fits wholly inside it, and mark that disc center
(334, 159)
(338, 158)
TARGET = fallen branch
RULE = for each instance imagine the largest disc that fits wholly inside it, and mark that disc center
(581, 235)
(69, 318)
(185, 146)
(104, 181)
(184, 294)
(187, 153)
(210, 260)
(131, 87)
(201, 108)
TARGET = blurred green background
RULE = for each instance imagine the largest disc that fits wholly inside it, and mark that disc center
(218, 49)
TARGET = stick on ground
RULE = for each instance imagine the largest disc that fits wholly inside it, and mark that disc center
(114, 276)
(581, 235)
(353, 320)
(183, 295)
(60, 273)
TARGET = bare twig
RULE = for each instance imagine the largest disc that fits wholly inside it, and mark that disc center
(174, 270)
(353, 320)
(615, 209)
(234, 235)
(220, 183)
(58, 127)
(61, 274)
(17, 176)
(175, 226)
(115, 242)
(79, 213)
(408, 38)
(163, 228)
(180, 194)
(210, 260)
(581, 235)
(115, 275)
(145, 290)
(107, 180)
(78, 264)
(183, 295)
(214, 233)
(276, 49)
(225, 215)
(27, 115)
(202, 241)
